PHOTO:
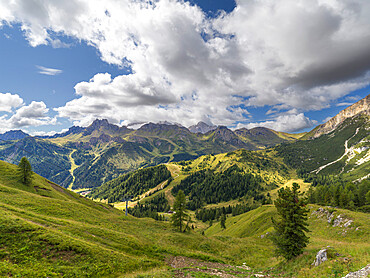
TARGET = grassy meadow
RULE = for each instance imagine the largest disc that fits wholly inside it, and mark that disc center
(48, 231)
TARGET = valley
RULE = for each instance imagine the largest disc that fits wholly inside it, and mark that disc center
(50, 231)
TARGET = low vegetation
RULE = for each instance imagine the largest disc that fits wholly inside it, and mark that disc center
(47, 231)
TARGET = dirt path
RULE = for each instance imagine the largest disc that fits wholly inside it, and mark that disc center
(346, 150)
(188, 267)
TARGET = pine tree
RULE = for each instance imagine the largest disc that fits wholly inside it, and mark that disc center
(223, 221)
(25, 171)
(289, 237)
(180, 215)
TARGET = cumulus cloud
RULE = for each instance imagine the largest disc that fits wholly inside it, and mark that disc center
(289, 54)
(49, 71)
(286, 123)
(34, 114)
(9, 101)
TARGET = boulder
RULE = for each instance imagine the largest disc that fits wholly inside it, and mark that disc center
(321, 257)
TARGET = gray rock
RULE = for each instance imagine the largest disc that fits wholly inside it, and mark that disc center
(338, 221)
(321, 257)
(364, 272)
(348, 223)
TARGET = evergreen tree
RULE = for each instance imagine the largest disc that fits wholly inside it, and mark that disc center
(223, 221)
(25, 171)
(289, 237)
(180, 215)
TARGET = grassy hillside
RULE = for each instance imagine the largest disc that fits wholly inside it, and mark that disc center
(47, 231)
(253, 173)
(329, 150)
(263, 163)
(349, 247)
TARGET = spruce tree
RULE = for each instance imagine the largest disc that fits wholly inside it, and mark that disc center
(223, 221)
(180, 215)
(289, 237)
(25, 171)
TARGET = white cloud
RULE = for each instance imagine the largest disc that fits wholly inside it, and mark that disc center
(49, 71)
(9, 101)
(186, 67)
(344, 104)
(35, 114)
(287, 123)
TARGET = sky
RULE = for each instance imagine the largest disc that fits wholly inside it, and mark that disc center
(288, 65)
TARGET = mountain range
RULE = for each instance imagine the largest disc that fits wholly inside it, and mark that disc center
(86, 157)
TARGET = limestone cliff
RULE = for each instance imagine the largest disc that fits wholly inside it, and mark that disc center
(362, 106)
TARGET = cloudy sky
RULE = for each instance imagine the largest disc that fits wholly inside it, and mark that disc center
(287, 65)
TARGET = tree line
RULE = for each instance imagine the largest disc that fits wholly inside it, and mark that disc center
(151, 208)
(332, 191)
(134, 183)
(210, 187)
(207, 214)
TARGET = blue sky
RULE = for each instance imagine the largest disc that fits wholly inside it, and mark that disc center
(206, 61)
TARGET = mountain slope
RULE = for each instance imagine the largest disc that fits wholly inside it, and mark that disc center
(351, 242)
(47, 231)
(360, 107)
(47, 159)
(206, 180)
(13, 135)
(345, 150)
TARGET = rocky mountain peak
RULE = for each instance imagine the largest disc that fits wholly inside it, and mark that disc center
(201, 127)
(101, 124)
(360, 107)
(158, 128)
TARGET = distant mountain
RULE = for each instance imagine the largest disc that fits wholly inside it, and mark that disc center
(13, 135)
(86, 157)
(262, 136)
(103, 126)
(360, 107)
(201, 127)
(71, 130)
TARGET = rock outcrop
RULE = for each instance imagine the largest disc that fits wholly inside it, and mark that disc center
(201, 127)
(364, 272)
(362, 106)
(321, 257)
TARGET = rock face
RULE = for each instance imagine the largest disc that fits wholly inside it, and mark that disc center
(201, 127)
(321, 257)
(364, 272)
(362, 106)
